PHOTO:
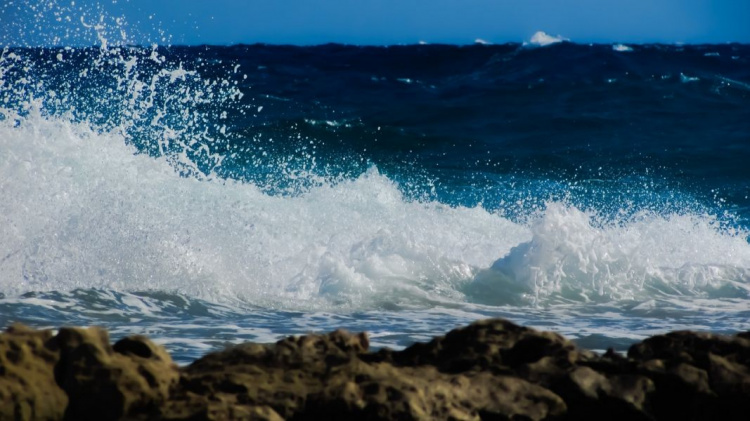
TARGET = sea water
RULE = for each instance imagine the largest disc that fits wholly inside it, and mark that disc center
(211, 195)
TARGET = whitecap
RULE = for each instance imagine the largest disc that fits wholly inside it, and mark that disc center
(687, 79)
(622, 48)
(84, 211)
(574, 256)
(542, 39)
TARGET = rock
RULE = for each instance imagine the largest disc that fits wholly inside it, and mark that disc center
(496, 345)
(594, 396)
(698, 375)
(108, 383)
(383, 392)
(692, 348)
(201, 409)
(323, 377)
(491, 369)
(279, 376)
(28, 390)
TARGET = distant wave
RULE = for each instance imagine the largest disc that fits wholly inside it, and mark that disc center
(542, 39)
(622, 48)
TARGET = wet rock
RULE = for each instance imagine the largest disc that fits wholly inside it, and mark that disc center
(198, 408)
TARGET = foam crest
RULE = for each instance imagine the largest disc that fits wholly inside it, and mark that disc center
(574, 255)
(542, 39)
(622, 48)
(81, 209)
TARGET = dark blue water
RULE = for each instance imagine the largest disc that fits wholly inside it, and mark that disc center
(209, 194)
(473, 115)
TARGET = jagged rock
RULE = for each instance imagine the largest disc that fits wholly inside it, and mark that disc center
(497, 345)
(698, 375)
(593, 396)
(199, 408)
(279, 376)
(323, 377)
(27, 381)
(381, 391)
(108, 383)
(692, 348)
(491, 369)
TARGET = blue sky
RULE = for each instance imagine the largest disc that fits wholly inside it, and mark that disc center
(410, 21)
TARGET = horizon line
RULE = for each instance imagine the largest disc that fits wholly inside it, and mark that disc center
(478, 42)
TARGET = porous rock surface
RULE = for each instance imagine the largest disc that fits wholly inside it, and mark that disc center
(489, 370)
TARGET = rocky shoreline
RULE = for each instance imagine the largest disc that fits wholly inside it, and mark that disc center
(489, 370)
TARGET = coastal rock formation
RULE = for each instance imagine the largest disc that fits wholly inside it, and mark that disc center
(491, 369)
(76, 374)
(28, 390)
(110, 382)
(325, 377)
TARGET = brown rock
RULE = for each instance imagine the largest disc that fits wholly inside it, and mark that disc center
(491, 369)
(27, 382)
(728, 377)
(698, 375)
(280, 376)
(201, 409)
(106, 383)
(495, 344)
(381, 391)
(594, 396)
(322, 377)
(692, 348)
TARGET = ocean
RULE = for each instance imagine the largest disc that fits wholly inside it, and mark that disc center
(212, 195)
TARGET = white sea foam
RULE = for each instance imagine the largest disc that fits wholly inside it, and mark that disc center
(542, 39)
(687, 79)
(572, 256)
(622, 48)
(80, 210)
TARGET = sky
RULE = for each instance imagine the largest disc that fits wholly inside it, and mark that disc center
(381, 22)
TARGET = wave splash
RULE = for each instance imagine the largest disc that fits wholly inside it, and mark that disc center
(573, 256)
(109, 180)
(82, 209)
